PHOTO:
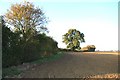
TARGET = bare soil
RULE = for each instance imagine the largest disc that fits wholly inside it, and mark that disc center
(77, 65)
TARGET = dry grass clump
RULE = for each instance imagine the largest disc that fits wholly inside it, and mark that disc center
(106, 76)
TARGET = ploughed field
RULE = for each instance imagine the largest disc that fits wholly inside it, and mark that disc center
(77, 65)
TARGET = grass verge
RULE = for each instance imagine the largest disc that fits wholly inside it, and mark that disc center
(47, 59)
(14, 70)
(11, 71)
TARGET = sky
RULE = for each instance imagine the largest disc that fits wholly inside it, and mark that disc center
(97, 19)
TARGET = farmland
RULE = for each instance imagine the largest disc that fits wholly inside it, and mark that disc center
(77, 65)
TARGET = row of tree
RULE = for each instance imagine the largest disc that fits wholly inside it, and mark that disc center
(27, 40)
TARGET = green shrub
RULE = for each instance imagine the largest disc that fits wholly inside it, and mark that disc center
(11, 71)
(20, 51)
(47, 45)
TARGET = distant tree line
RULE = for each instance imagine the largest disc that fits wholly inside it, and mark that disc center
(88, 48)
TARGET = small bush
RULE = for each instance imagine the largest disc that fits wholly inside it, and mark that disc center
(89, 48)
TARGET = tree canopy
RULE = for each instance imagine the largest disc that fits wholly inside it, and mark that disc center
(26, 16)
(73, 38)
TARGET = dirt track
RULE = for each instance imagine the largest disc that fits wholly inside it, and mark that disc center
(76, 65)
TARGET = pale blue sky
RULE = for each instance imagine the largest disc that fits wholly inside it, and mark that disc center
(98, 20)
